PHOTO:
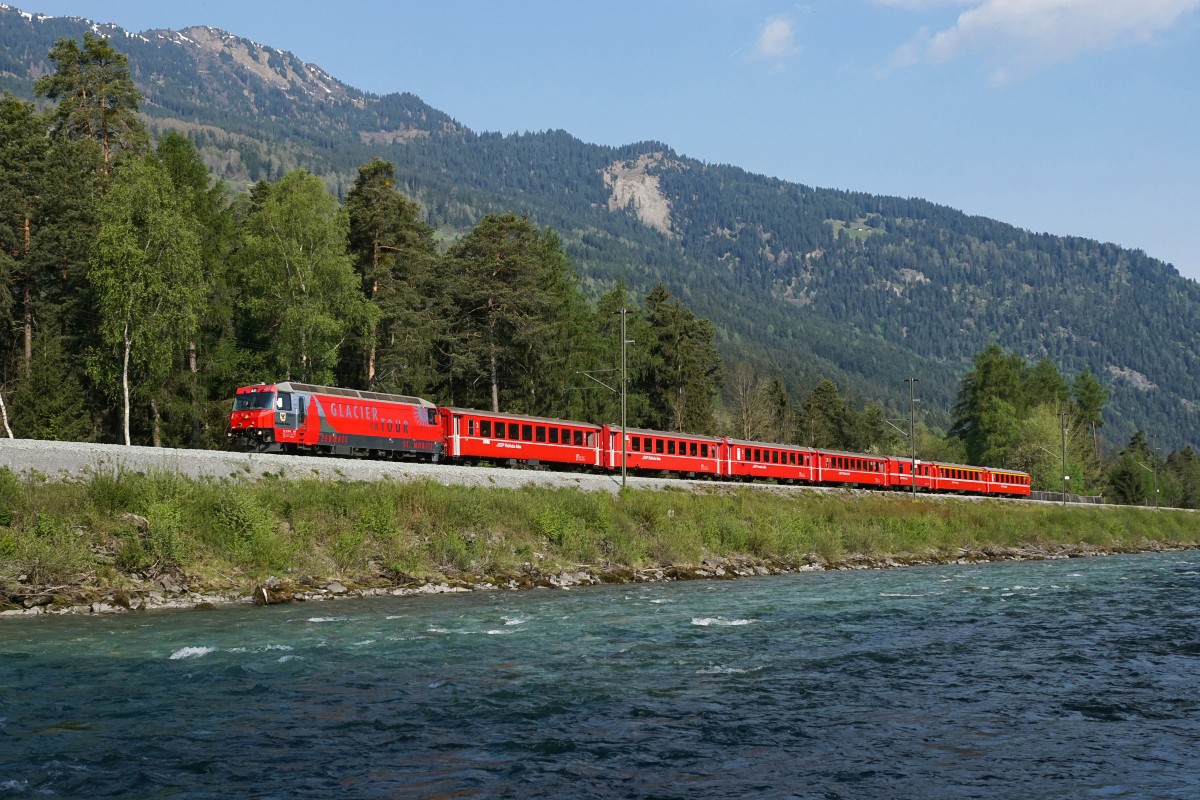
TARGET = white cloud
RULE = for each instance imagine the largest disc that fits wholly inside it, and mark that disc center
(1018, 36)
(777, 39)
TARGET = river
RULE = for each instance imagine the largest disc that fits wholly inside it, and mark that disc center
(1052, 679)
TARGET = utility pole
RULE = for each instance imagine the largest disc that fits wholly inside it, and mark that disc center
(1155, 462)
(1063, 417)
(624, 438)
(912, 431)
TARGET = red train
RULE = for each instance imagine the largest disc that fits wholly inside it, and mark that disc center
(300, 418)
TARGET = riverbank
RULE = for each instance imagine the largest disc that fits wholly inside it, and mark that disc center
(114, 540)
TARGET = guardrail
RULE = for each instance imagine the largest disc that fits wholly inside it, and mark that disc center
(1057, 497)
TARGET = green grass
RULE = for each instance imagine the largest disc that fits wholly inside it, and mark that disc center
(102, 531)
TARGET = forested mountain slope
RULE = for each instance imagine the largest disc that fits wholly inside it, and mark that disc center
(858, 288)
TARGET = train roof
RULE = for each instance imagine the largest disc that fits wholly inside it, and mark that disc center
(475, 412)
(851, 455)
(355, 394)
(772, 445)
(699, 437)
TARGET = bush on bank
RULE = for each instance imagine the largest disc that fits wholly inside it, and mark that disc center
(114, 525)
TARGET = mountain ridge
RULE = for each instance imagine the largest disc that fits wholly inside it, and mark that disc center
(861, 288)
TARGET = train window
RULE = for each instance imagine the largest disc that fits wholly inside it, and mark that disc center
(527, 433)
(470, 427)
(485, 427)
(670, 447)
(635, 443)
(704, 450)
(774, 456)
(499, 430)
(554, 436)
(577, 438)
(591, 440)
(658, 445)
(692, 449)
(540, 433)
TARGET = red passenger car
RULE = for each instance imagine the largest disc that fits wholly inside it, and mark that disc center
(749, 460)
(481, 435)
(899, 473)
(659, 451)
(960, 478)
(1008, 483)
(851, 468)
(300, 417)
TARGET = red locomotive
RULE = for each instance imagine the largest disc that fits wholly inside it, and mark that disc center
(323, 420)
(297, 417)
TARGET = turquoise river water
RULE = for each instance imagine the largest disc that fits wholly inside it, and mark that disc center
(1074, 678)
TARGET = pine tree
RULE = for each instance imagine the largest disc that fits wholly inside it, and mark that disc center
(96, 97)
(1089, 397)
(23, 148)
(509, 284)
(394, 254)
(686, 373)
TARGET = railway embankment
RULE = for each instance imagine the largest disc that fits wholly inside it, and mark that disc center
(109, 536)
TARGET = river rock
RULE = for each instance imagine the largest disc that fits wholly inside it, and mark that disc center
(37, 601)
(268, 594)
(170, 584)
(335, 587)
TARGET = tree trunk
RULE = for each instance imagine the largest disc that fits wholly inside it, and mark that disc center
(492, 358)
(4, 416)
(195, 395)
(28, 330)
(28, 304)
(495, 384)
(157, 418)
(371, 298)
(125, 382)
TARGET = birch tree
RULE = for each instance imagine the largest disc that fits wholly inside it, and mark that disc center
(302, 290)
(146, 276)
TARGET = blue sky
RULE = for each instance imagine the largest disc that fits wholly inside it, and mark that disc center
(1070, 116)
